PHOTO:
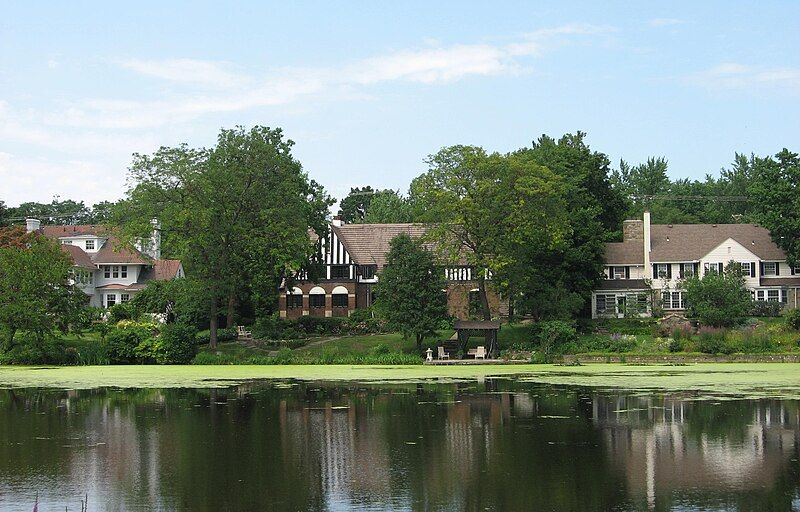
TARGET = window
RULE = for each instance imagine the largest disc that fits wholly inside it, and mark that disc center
(107, 271)
(124, 297)
(368, 271)
(89, 245)
(340, 272)
(672, 300)
(82, 277)
(770, 268)
(295, 301)
(716, 268)
(111, 299)
(123, 271)
(746, 268)
(784, 295)
(687, 269)
(662, 270)
(773, 295)
(618, 272)
(760, 295)
(339, 300)
(316, 300)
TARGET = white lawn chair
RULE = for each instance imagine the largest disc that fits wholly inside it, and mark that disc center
(442, 353)
(242, 332)
(480, 353)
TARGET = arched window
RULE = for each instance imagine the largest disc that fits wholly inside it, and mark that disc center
(294, 298)
(339, 297)
(316, 298)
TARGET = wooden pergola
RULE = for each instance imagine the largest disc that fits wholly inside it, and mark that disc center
(465, 329)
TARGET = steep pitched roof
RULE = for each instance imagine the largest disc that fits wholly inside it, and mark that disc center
(78, 230)
(625, 253)
(161, 270)
(113, 252)
(690, 242)
(79, 257)
(368, 244)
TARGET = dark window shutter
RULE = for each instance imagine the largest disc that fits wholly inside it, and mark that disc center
(669, 270)
(777, 268)
(627, 272)
(696, 267)
(753, 269)
(655, 271)
(761, 268)
(680, 270)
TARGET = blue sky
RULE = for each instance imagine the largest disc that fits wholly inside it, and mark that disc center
(367, 90)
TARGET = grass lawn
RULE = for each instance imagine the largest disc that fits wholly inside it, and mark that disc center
(740, 379)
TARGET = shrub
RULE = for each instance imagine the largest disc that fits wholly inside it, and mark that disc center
(204, 337)
(123, 340)
(380, 349)
(765, 308)
(792, 318)
(635, 326)
(554, 334)
(124, 311)
(622, 342)
(712, 341)
(314, 325)
(35, 348)
(176, 344)
(270, 328)
(91, 353)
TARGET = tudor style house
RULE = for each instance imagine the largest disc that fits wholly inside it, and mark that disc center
(351, 258)
(651, 261)
(107, 272)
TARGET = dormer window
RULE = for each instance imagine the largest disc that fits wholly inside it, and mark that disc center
(89, 245)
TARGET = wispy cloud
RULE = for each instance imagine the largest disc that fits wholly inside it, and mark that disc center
(665, 22)
(188, 71)
(733, 75)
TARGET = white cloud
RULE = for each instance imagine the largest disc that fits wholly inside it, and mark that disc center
(189, 71)
(732, 75)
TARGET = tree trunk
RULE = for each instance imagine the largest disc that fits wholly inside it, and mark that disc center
(9, 341)
(419, 344)
(231, 311)
(487, 313)
(212, 343)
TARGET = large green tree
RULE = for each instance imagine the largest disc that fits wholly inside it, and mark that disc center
(388, 207)
(354, 206)
(36, 293)
(494, 212)
(66, 212)
(775, 188)
(238, 214)
(409, 292)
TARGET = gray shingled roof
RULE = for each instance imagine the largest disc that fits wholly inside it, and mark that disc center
(368, 244)
(690, 242)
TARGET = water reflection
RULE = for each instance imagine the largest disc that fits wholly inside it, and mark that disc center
(492, 445)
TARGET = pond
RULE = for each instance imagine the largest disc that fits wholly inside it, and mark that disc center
(491, 444)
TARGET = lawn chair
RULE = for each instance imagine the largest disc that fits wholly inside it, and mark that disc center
(442, 353)
(242, 332)
(480, 353)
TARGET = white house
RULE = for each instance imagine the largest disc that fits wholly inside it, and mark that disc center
(653, 259)
(105, 270)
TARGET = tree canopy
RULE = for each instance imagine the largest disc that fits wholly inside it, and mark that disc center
(36, 293)
(719, 299)
(238, 214)
(65, 212)
(409, 293)
(775, 187)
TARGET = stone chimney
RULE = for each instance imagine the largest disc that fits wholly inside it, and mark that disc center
(648, 246)
(32, 225)
(337, 221)
(632, 230)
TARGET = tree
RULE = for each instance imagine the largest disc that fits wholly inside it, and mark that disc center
(495, 212)
(353, 208)
(409, 292)
(238, 215)
(719, 299)
(36, 294)
(179, 300)
(3, 214)
(775, 189)
(560, 285)
(388, 207)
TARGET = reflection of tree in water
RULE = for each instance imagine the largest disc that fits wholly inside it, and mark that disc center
(494, 444)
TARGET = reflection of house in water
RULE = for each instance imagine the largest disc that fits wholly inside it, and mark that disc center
(682, 446)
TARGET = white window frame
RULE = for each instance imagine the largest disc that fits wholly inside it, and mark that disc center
(113, 301)
(124, 297)
(774, 271)
(662, 270)
(746, 265)
(673, 300)
(89, 245)
(687, 269)
(614, 273)
(123, 271)
(773, 295)
(107, 271)
(606, 298)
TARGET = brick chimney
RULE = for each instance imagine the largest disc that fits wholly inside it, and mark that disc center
(337, 221)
